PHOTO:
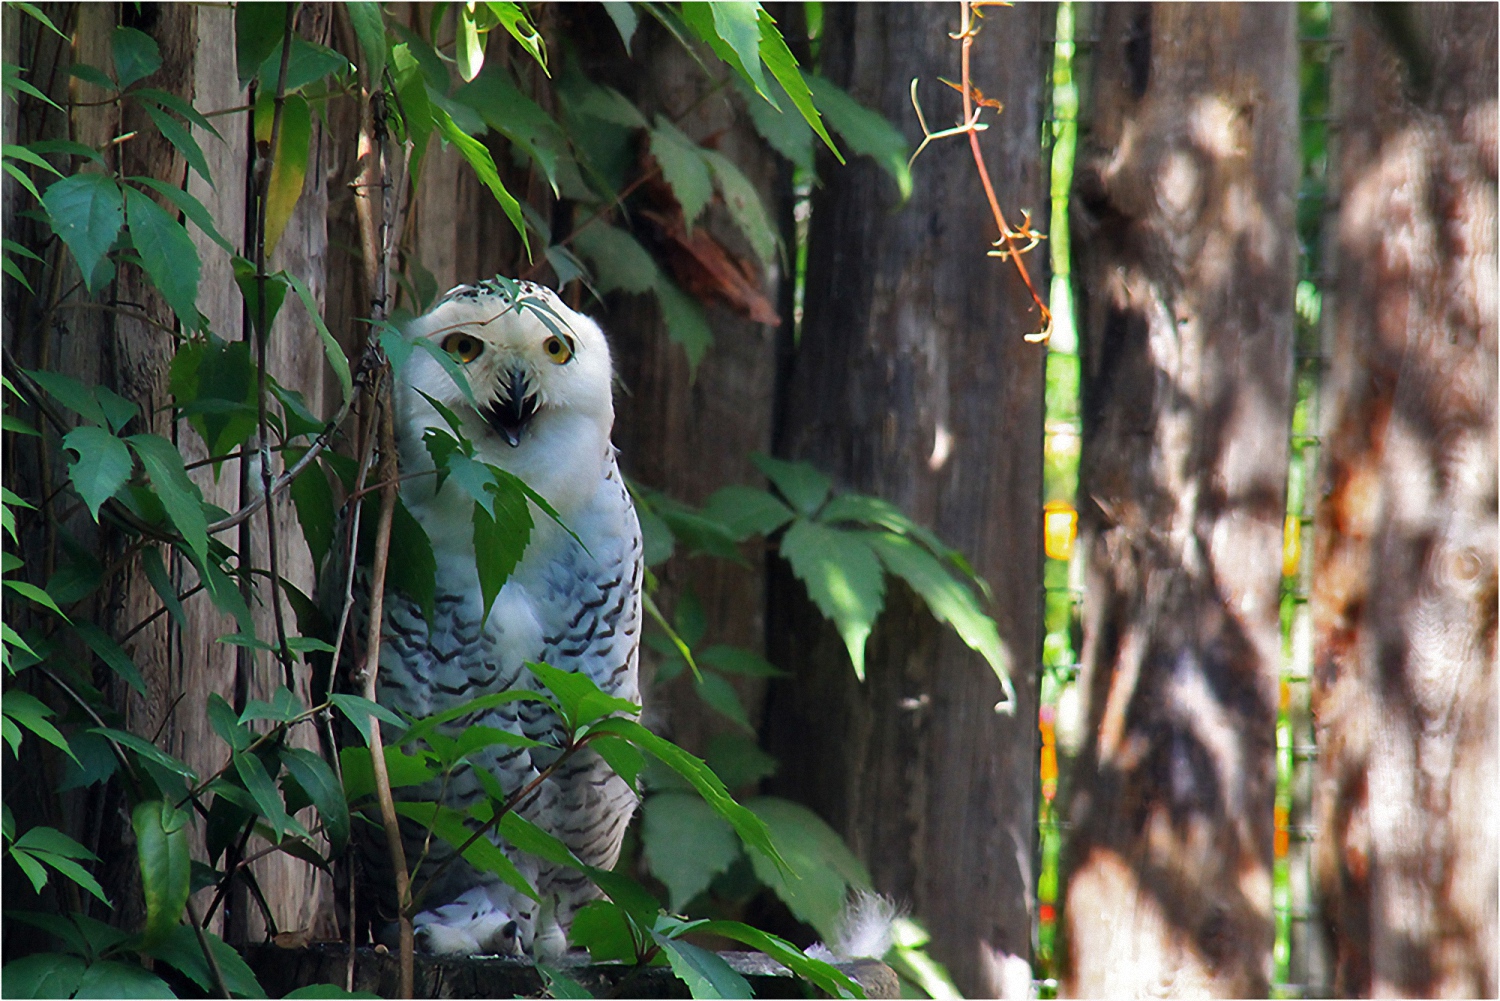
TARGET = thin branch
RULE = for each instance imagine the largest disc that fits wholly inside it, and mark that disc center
(968, 31)
(208, 953)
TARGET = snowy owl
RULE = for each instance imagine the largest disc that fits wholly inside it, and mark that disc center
(544, 412)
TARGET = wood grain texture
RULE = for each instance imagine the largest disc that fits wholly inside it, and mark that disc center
(1405, 572)
(912, 382)
(1186, 253)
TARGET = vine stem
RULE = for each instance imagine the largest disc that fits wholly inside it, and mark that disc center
(375, 227)
(967, 31)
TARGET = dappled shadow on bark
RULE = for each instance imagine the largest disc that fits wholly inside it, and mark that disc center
(1186, 252)
(1406, 561)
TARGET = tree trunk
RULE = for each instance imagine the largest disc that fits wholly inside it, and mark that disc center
(1405, 573)
(181, 665)
(1186, 244)
(912, 382)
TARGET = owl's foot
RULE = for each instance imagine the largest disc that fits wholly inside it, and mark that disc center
(470, 926)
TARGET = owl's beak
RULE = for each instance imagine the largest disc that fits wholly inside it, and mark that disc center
(510, 415)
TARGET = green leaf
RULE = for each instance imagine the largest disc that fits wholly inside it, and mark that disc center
(520, 119)
(135, 55)
(87, 211)
(313, 499)
(21, 179)
(483, 854)
(179, 495)
(744, 205)
(683, 168)
(8, 423)
(412, 568)
(179, 136)
(823, 869)
(799, 482)
(359, 710)
(162, 836)
(704, 972)
(322, 787)
(27, 156)
(622, 757)
(32, 713)
(403, 769)
(260, 786)
(226, 723)
(843, 578)
(620, 263)
(32, 11)
(736, 660)
(112, 654)
(369, 28)
(34, 593)
(70, 393)
(415, 108)
(182, 951)
(559, 984)
(258, 30)
(147, 750)
(283, 707)
(737, 760)
(746, 511)
(330, 990)
(93, 75)
(190, 207)
(863, 510)
(102, 467)
(111, 979)
(686, 844)
(867, 132)
(715, 690)
(513, 19)
(332, 350)
(43, 975)
(731, 30)
(501, 533)
(484, 167)
(309, 63)
(167, 253)
(602, 928)
(685, 321)
(783, 66)
(175, 104)
(13, 81)
(947, 599)
(289, 170)
(625, 19)
(468, 49)
(156, 573)
(578, 698)
(750, 828)
(825, 976)
(69, 147)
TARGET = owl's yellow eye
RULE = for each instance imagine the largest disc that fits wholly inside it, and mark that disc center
(558, 350)
(463, 347)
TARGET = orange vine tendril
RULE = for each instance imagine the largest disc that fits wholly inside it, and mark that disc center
(1011, 240)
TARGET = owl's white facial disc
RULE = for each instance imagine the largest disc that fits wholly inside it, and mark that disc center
(542, 389)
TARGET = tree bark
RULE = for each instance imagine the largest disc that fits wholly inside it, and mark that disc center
(181, 665)
(1184, 231)
(912, 382)
(1405, 574)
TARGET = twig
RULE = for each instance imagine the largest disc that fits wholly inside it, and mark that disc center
(967, 30)
(376, 238)
(283, 650)
(208, 953)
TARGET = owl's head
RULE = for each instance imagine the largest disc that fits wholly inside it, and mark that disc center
(540, 374)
